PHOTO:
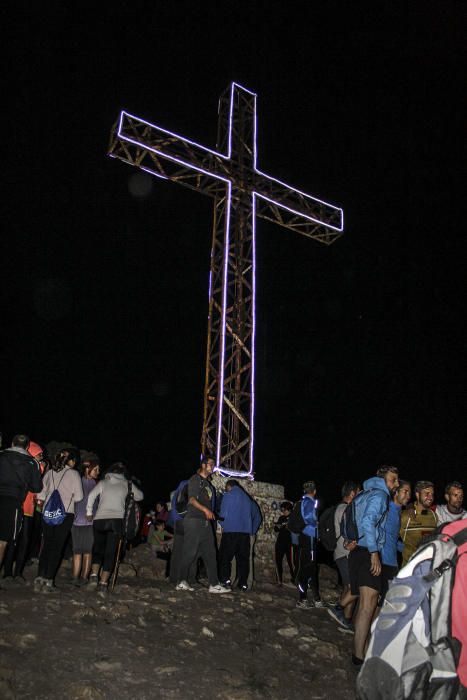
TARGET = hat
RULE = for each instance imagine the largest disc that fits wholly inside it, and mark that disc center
(34, 449)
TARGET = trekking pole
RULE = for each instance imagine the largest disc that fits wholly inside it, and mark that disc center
(117, 564)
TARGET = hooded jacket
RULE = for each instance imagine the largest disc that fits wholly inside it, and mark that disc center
(240, 512)
(112, 492)
(371, 511)
(19, 473)
(309, 506)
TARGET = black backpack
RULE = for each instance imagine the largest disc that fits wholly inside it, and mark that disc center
(326, 529)
(296, 521)
(132, 515)
(181, 503)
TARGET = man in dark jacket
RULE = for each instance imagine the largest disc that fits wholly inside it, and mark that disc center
(19, 473)
(240, 518)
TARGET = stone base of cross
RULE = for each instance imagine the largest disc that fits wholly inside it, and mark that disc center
(241, 193)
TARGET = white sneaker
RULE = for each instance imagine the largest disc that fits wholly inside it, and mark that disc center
(183, 586)
(219, 589)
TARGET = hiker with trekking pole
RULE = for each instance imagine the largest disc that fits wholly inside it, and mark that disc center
(115, 517)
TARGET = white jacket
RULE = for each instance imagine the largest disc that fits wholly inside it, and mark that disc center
(112, 492)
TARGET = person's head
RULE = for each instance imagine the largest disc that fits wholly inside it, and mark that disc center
(349, 491)
(229, 485)
(20, 441)
(118, 468)
(403, 493)
(207, 465)
(36, 451)
(309, 488)
(286, 508)
(160, 524)
(454, 495)
(390, 475)
(160, 507)
(425, 493)
(90, 469)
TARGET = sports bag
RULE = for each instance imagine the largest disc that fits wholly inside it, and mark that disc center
(132, 515)
(54, 511)
(296, 521)
(418, 646)
(327, 529)
(181, 501)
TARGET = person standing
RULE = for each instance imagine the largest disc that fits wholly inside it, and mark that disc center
(19, 473)
(418, 519)
(64, 478)
(198, 535)
(283, 545)
(240, 518)
(308, 570)
(82, 534)
(108, 524)
(452, 510)
(393, 543)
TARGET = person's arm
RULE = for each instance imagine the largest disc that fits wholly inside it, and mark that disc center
(256, 517)
(35, 481)
(97, 490)
(373, 513)
(138, 495)
(78, 494)
(43, 494)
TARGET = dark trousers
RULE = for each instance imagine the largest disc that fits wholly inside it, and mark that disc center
(36, 537)
(107, 533)
(54, 538)
(308, 570)
(283, 549)
(234, 544)
(198, 541)
(177, 555)
(17, 552)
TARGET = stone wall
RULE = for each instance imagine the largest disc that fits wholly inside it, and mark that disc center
(269, 498)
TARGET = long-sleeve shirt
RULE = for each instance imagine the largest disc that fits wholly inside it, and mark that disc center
(112, 492)
(392, 543)
(68, 484)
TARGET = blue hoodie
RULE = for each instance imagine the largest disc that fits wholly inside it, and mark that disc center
(393, 542)
(309, 506)
(240, 512)
(371, 510)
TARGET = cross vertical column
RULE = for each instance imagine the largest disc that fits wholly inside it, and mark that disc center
(229, 389)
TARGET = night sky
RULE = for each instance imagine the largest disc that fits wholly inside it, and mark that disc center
(104, 280)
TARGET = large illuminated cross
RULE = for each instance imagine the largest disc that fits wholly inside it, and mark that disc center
(241, 192)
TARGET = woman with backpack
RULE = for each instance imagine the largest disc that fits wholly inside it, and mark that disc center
(108, 522)
(82, 531)
(61, 490)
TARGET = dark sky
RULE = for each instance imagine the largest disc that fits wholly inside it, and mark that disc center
(360, 346)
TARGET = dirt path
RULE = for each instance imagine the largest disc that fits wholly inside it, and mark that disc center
(147, 641)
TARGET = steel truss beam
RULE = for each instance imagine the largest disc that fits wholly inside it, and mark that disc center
(241, 193)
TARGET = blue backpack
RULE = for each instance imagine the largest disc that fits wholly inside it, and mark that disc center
(54, 511)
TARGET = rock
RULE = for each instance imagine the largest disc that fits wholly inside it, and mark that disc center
(308, 640)
(265, 597)
(288, 632)
(327, 650)
(77, 691)
(127, 570)
(188, 643)
(7, 691)
(207, 632)
(118, 610)
(229, 611)
(162, 670)
(304, 647)
(107, 666)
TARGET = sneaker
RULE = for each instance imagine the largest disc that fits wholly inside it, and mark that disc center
(38, 583)
(48, 586)
(338, 615)
(219, 589)
(319, 604)
(183, 586)
(102, 589)
(304, 604)
(243, 588)
(93, 581)
(349, 629)
(8, 582)
(356, 661)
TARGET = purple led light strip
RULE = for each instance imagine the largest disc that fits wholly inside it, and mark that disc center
(255, 194)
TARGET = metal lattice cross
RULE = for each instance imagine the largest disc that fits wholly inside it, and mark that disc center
(241, 193)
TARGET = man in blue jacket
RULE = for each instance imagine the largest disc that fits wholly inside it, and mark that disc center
(308, 571)
(240, 517)
(371, 510)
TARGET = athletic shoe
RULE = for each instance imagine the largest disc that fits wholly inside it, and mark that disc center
(183, 586)
(319, 604)
(349, 629)
(218, 589)
(93, 581)
(48, 586)
(356, 661)
(304, 604)
(38, 583)
(338, 615)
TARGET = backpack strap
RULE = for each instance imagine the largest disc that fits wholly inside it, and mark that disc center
(460, 538)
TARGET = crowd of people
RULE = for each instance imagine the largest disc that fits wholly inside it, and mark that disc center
(374, 530)
(389, 527)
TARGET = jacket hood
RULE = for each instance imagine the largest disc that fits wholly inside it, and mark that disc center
(376, 482)
(115, 477)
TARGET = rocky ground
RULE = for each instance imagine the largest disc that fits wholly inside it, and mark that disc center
(145, 640)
